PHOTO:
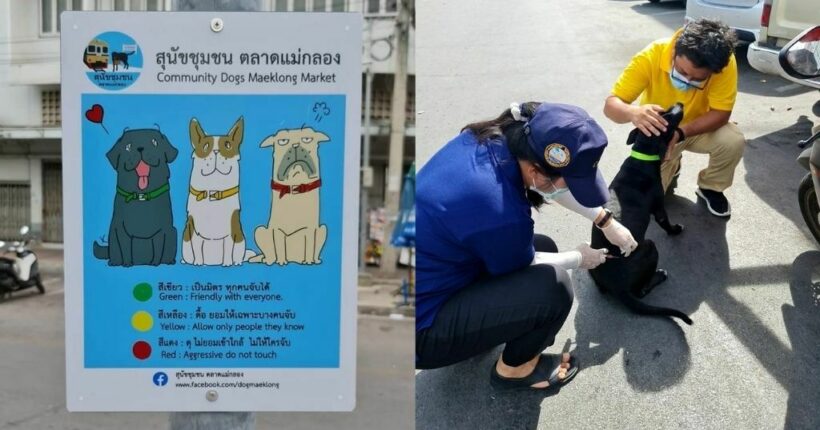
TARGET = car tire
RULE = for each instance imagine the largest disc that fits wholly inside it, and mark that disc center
(808, 206)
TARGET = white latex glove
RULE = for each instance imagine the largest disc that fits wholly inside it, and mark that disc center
(620, 236)
(591, 258)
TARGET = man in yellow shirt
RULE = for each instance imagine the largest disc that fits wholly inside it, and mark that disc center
(696, 67)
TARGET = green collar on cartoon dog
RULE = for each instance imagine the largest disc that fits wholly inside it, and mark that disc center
(143, 196)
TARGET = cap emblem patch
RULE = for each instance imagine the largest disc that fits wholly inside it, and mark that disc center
(557, 155)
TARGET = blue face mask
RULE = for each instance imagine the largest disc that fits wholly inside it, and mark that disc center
(680, 86)
(549, 195)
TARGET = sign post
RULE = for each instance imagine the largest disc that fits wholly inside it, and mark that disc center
(211, 194)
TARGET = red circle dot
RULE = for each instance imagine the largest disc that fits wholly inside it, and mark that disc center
(141, 350)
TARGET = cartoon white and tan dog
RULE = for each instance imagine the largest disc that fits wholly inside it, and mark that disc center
(213, 234)
(293, 233)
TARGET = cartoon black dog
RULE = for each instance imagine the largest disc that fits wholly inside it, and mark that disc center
(142, 230)
(118, 58)
(635, 194)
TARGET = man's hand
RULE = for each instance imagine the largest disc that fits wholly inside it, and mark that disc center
(648, 119)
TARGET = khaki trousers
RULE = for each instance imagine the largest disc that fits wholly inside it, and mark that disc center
(725, 148)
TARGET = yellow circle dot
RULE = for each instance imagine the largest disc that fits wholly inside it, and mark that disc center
(142, 321)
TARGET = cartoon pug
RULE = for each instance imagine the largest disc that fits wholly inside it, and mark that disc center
(293, 233)
(142, 230)
(213, 234)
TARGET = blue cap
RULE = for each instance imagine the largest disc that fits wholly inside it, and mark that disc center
(566, 141)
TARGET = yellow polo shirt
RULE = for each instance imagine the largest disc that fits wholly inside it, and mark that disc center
(647, 75)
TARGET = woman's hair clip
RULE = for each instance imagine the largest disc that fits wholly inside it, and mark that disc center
(515, 110)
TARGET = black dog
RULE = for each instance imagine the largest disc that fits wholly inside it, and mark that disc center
(142, 230)
(120, 57)
(635, 193)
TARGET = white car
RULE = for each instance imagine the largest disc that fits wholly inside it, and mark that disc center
(743, 16)
(781, 21)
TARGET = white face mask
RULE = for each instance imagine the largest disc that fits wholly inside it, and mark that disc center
(549, 195)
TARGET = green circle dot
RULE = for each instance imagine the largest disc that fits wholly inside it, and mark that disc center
(142, 292)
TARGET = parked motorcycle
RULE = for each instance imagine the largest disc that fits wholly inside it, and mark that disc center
(800, 58)
(18, 267)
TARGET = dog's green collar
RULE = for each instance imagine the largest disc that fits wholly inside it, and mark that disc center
(645, 157)
(143, 196)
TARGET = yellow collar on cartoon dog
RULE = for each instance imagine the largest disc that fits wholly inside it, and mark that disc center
(213, 195)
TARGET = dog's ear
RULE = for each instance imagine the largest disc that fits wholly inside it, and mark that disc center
(320, 137)
(271, 140)
(113, 155)
(169, 151)
(632, 136)
(237, 131)
(195, 130)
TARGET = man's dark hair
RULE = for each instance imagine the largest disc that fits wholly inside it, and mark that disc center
(707, 43)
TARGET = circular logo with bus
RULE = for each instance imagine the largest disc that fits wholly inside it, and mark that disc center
(114, 60)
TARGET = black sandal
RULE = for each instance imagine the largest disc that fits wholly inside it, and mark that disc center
(545, 370)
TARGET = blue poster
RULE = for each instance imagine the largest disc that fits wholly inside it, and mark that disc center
(212, 235)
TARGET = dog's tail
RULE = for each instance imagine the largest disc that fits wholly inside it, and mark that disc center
(642, 308)
(248, 255)
(100, 251)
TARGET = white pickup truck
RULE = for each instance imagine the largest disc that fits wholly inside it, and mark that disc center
(780, 22)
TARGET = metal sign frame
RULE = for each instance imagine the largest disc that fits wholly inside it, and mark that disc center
(164, 310)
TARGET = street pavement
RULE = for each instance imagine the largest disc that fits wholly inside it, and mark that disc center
(750, 361)
(32, 370)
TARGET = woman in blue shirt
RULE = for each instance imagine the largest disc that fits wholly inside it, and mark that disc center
(483, 277)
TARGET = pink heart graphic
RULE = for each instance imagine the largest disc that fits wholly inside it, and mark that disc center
(95, 114)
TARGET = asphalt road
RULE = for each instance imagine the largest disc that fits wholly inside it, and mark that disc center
(32, 376)
(750, 361)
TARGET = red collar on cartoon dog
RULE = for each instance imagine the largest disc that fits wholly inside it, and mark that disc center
(294, 189)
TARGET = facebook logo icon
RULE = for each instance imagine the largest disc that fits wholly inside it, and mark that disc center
(160, 379)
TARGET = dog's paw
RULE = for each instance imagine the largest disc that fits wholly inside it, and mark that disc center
(198, 263)
(676, 230)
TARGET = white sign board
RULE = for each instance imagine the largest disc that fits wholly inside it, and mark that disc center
(210, 182)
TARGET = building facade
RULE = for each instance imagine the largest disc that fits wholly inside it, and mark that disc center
(31, 167)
